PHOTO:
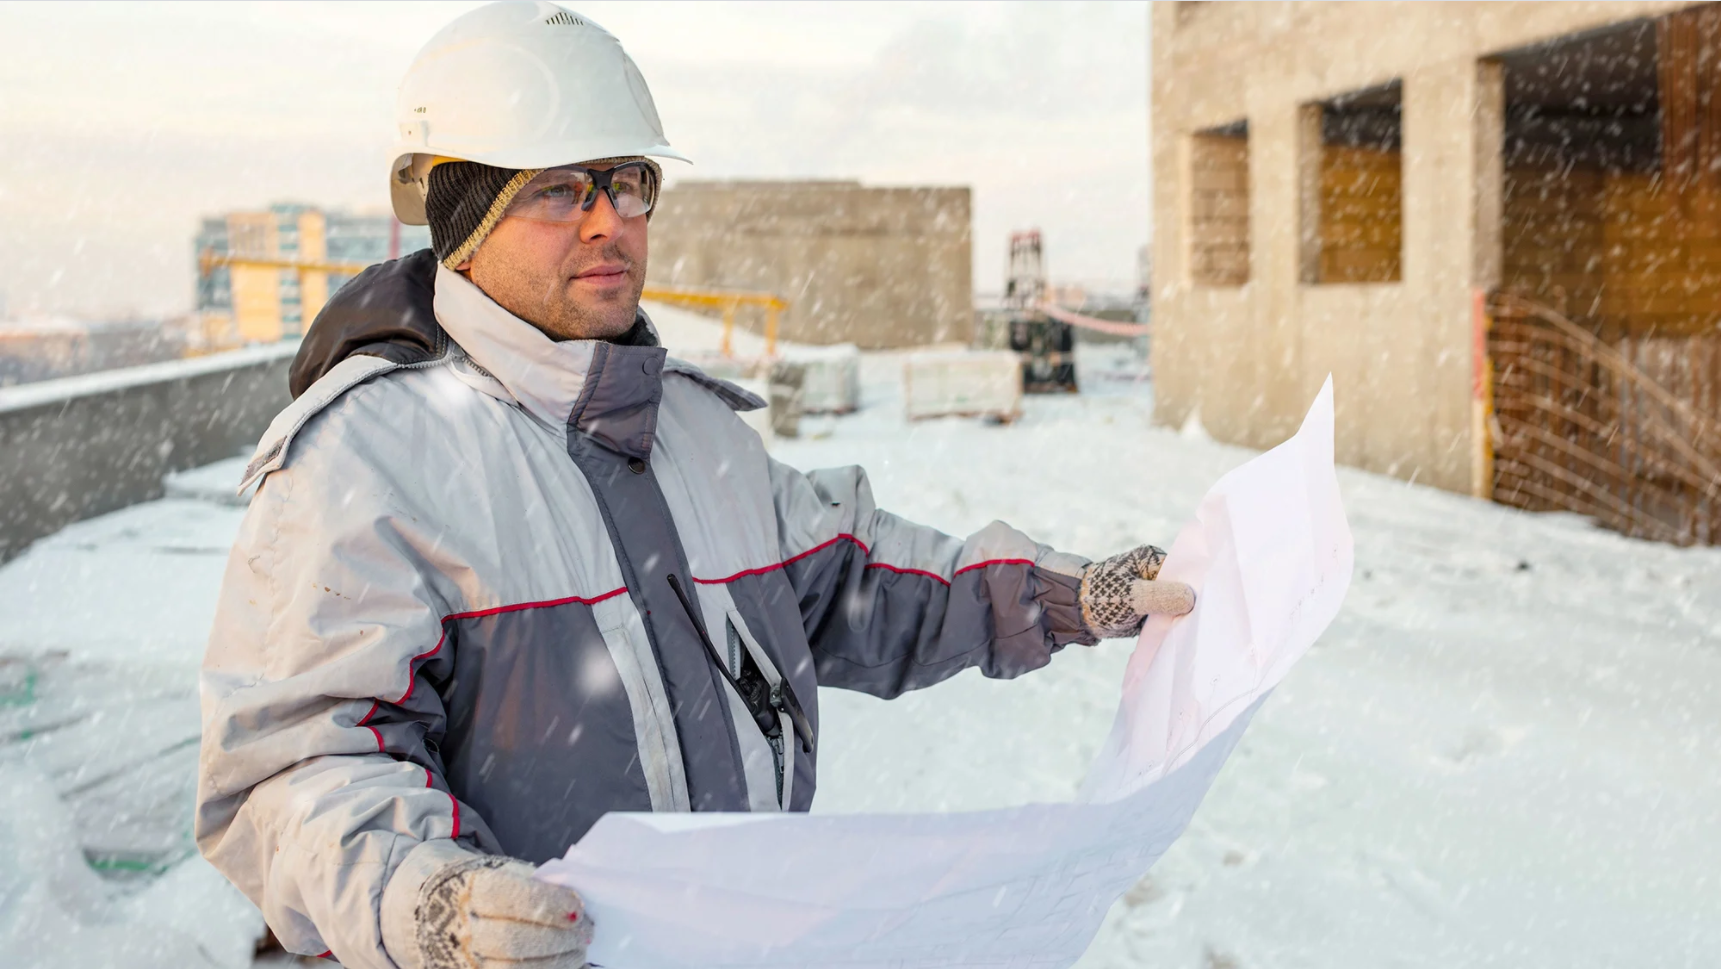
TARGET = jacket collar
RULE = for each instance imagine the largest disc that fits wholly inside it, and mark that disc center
(607, 391)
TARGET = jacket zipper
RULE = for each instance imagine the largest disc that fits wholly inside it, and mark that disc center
(763, 704)
(737, 649)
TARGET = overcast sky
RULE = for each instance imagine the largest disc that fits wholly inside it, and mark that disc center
(121, 124)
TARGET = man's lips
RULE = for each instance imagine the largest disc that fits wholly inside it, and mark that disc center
(607, 273)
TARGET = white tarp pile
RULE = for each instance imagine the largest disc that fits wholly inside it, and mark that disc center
(1270, 555)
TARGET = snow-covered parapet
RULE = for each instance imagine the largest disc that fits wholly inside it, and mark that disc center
(85, 445)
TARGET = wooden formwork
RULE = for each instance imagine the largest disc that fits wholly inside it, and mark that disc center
(1627, 432)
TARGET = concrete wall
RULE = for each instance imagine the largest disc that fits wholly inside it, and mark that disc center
(1250, 357)
(879, 267)
(78, 447)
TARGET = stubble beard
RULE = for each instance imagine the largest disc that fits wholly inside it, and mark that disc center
(570, 317)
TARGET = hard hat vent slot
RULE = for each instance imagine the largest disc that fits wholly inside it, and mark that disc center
(564, 17)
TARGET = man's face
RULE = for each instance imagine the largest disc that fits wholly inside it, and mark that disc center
(573, 280)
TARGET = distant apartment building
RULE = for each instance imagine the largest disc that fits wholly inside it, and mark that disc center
(264, 276)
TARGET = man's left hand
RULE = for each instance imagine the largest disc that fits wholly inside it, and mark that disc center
(1120, 592)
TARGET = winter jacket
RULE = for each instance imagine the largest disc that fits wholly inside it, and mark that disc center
(451, 613)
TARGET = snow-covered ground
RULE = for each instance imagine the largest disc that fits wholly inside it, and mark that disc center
(1502, 753)
(103, 628)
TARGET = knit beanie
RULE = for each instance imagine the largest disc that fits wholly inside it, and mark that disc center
(466, 199)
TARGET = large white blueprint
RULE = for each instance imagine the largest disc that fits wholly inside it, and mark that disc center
(1269, 554)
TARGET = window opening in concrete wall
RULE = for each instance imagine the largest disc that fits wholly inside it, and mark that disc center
(1605, 348)
(1219, 206)
(1586, 210)
(1353, 187)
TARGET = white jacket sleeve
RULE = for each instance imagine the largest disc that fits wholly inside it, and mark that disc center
(320, 792)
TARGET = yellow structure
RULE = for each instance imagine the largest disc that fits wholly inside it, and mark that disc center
(271, 301)
(728, 303)
(257, 283)
(264, 276)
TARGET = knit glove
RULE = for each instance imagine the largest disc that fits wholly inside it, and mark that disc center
(1120, 592)
(488, 912)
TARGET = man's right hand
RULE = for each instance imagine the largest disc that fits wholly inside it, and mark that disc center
(488, 912)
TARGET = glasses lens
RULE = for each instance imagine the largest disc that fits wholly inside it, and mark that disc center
(556, 195)
(635, 189)
(563, 194)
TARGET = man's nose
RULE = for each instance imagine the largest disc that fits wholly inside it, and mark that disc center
(602, 221)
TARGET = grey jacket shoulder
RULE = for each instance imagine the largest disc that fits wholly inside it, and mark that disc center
(738, 398)
(271, 452)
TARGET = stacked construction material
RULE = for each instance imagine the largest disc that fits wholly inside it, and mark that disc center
(832, 377)
(968, 383)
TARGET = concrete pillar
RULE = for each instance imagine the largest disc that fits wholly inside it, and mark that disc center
(1178, 366)
(1309, 144)
(1444, 110)
(1267, 394)
(1488, 126)
(1488, 123)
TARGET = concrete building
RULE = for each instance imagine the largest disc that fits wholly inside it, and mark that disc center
(878, 267)
(264, 303)
(1352, 188)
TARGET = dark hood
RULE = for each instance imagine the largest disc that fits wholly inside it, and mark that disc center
(389, 311)
(385, 311)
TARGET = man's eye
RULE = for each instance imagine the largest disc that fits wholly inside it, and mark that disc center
(563, 191)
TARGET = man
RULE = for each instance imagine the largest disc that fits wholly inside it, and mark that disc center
(509, 568)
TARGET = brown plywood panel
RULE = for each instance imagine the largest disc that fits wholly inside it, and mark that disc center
(1218, 230)
(1361, 215)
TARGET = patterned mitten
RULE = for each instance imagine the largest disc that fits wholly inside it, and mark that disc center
(489, 912)
(1120, 592)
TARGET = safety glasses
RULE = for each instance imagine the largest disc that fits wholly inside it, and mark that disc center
(567, 193)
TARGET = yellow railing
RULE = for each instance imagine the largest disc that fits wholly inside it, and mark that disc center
(208, 260)
(728, 301)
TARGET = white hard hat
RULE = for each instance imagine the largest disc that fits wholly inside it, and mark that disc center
(519, 84)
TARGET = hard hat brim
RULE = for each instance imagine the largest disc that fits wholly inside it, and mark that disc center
(408, 201)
